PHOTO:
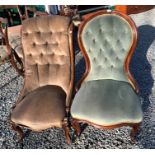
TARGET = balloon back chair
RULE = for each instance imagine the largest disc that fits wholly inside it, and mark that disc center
(107, 94)
(48, 78)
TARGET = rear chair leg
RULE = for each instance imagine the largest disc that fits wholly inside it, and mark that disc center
(18, 130)
(134, 131)
(76, 127)
(67, 131)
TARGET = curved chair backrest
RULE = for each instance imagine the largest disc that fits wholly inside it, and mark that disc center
(47, 55)
(107, 40)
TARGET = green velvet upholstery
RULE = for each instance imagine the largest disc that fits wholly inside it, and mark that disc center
(106, 96)
(107, 40)
(107, 102)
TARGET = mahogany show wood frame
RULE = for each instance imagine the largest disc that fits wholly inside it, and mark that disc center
(65, 122)
(87, 18)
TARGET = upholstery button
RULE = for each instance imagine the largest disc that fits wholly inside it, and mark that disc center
(34, 44)
(106, 42)
(94, 41)
(58, 66)
(52, 54)
(106, 59)
(112, 66)
(26, 34)
(41, 54)
(46, 44)
(123, 50)
(117, 58)
(38, 32)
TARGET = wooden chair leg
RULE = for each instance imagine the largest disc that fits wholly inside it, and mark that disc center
(134, 131)
(18, 130)
(67, 131)
(76, 127)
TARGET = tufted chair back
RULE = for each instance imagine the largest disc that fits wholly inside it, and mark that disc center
(107, 39)
(45, 43)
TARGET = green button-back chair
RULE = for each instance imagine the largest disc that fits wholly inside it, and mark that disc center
(48, 78)
(107, 94)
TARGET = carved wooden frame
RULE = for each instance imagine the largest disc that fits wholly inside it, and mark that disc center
(65, 122)
(86, 19)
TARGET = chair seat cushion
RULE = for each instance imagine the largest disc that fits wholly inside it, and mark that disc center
(106, 103)
(41, 109)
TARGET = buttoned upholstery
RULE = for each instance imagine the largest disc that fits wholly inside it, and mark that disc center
(106, 96)
(47, 64)
(107, 40)
(46, 50)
